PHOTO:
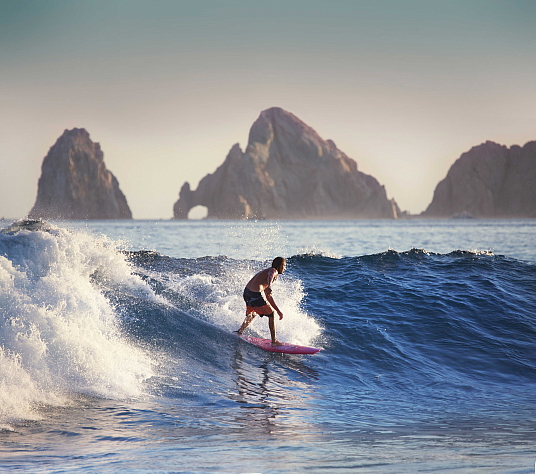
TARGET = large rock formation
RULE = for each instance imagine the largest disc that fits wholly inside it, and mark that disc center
(490, 180)
(287, 171)
(75, 183)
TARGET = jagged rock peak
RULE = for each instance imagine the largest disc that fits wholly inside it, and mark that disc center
(75, 183)
(287, 125)
(287, 171)
(490, 180)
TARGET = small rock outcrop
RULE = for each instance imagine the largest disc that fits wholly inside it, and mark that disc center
(75, 183)
(490, 181)
(287, 172)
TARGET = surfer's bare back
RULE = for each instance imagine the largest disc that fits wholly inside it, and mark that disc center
(255, 302)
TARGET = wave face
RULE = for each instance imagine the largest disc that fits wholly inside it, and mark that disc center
(426, 328)
(405, 335)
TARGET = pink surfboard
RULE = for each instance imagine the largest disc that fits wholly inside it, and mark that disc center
(284, 348)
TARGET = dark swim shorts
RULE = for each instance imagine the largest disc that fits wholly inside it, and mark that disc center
(255, 303)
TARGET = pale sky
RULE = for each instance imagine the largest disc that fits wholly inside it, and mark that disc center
(167, 87)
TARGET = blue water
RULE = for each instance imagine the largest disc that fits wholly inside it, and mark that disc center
(117, 352)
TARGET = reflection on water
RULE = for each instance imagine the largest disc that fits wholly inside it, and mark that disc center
(271, 400)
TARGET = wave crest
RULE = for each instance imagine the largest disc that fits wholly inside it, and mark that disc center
(59, 334)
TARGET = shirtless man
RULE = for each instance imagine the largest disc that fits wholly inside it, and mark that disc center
(256, 304)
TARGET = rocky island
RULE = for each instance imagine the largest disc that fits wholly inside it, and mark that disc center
(491, 181)
(287, 172)
(75, 183)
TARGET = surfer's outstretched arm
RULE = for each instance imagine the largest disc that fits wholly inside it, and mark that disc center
(270, 299)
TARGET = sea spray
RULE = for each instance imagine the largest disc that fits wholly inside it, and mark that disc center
(59, 335)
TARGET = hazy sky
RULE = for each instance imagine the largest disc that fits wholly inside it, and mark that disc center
(167, 87)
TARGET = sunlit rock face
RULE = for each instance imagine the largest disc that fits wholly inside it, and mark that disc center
(287, 171)
(75, 183)
(490, 180)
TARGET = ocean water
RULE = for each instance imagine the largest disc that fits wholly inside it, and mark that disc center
(117, 351)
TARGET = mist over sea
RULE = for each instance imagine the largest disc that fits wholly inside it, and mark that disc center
(117, 351)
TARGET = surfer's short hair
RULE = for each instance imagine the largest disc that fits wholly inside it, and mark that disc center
(278, 264)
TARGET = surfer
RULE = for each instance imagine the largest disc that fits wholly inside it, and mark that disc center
(255, 302)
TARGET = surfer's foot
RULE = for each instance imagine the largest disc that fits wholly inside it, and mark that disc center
(239, 332)
(277, 343)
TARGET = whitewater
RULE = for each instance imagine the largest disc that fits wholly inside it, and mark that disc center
(117, 351)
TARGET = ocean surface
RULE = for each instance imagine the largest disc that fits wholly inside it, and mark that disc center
(117, 351)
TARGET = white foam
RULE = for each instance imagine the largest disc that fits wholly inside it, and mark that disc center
(316, 251)
(219, 298)
(58, 334)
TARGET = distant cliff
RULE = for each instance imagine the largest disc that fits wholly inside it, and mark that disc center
(75, 183)
(287, 171)
(490, 180)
